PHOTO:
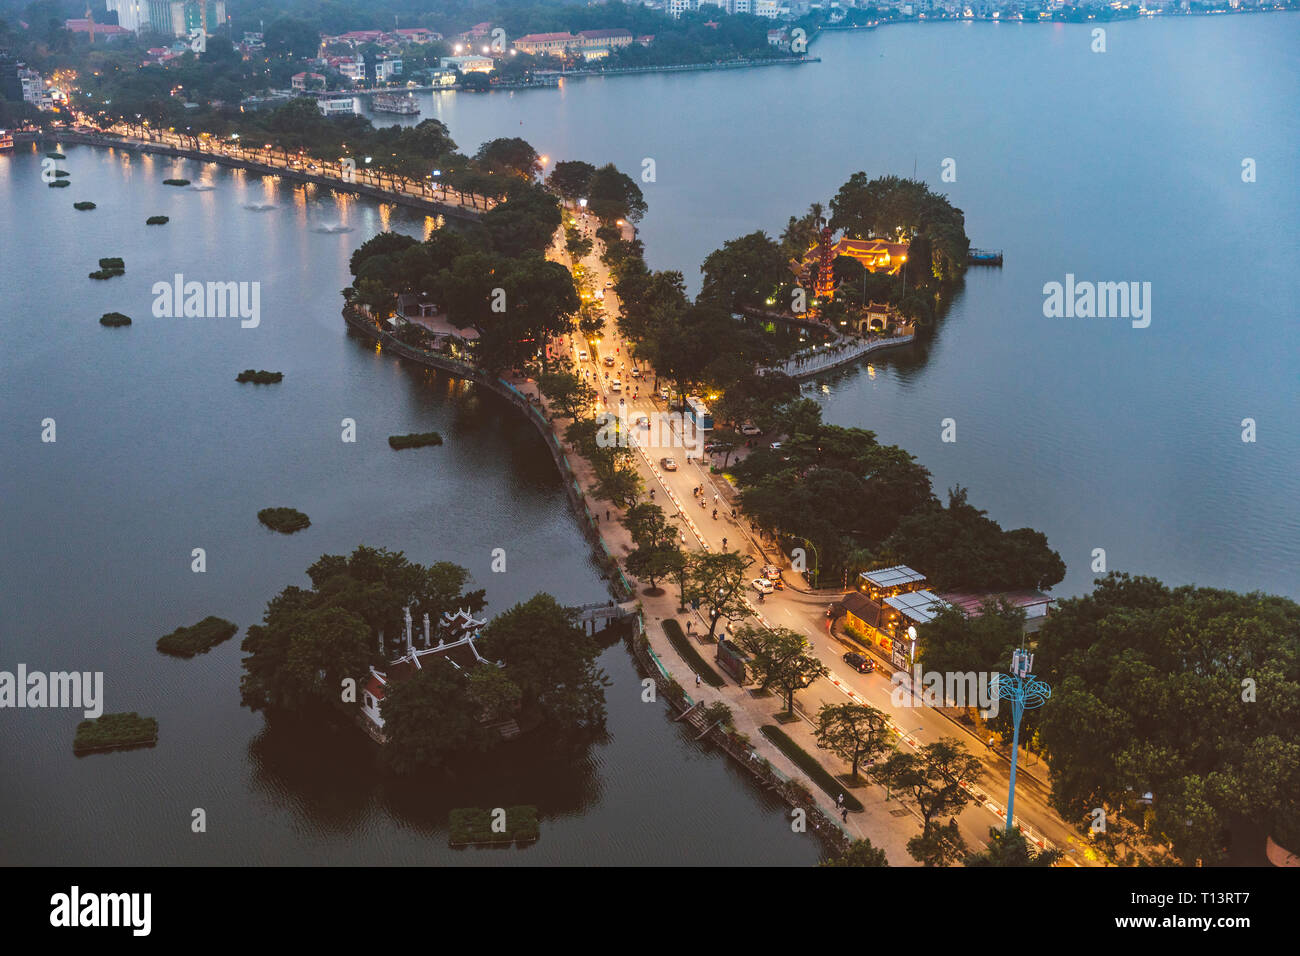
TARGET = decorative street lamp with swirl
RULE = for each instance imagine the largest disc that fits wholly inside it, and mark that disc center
(1023, 689)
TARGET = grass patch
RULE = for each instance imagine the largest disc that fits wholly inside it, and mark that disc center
(785, 717)
(156, 221)
(199, 639)
(56, 156)
(690, 655)
(283, 520)
(60, 184)
(809, 765)
(114, 320)
(471, 825)
(851, 781)
(259, 376)
(176, 182)
(83, 206)
(414, 440)
(112, 731)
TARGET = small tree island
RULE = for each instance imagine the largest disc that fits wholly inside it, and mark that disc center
(198, 639)
(115, 732)
(259, 377)
(283, 520)
(414, 440)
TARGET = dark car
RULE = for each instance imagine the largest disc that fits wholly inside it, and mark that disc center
(863, 665)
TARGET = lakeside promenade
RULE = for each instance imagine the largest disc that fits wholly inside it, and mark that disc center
(424, 195)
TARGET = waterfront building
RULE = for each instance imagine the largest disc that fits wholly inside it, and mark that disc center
(386, 68)
(888, 582)
(456, 645)
(307, 81)
(1035, 604)
(590, 44)
(468, 64)
(339, 106)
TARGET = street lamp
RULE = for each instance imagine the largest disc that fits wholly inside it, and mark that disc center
(1023, 689)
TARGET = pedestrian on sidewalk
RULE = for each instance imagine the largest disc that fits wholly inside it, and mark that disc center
(990, 741)
(607, 515)
(715, 514)
(697, 680)
(839, 801)
(724, 544)
(844, 814)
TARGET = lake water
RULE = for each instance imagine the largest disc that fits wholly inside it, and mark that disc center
(159, 451)
(1116, 166)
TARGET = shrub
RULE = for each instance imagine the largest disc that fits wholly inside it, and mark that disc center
(474, 825)
(414, 440)
(198, 639)
(156, 221)
(83, 206)
(683, 646)
(59, 184)
(809, 765)
(114, 319)
(115, 730)
(283, 520)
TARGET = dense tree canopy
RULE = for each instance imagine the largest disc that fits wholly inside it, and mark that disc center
(1189, 694)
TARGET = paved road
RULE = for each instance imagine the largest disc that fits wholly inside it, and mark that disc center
(802, 610)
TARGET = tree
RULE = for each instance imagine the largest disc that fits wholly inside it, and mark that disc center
(932, 776)
(954, 643)
(552, 661)
(744, 272)
(429, 716)
(779, 658)
(291, 37)
(1011, 848)
(510, 155)
(648, 525)
(613, 195)
(1185, 693)
(571, 179)
(525, 222)
(717, 580)
(853, 732)
(859, 853)
(652, 562)
(569, 393)
(495, 694)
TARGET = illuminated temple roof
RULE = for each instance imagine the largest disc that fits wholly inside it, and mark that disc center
(875, 255)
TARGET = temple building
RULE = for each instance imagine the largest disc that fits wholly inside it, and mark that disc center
(456, 645)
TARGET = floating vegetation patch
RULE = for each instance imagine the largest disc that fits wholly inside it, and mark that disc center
(60, 184)
(259, 376)
(414, 440)
(156, 221)
(471, 826)
(108, 268)
(83, 206)
(114, 319)
(113, 262)
(176, 182)
(114, 731)
(283, 520)
(107, 273)
(199, 639)
(56, 156)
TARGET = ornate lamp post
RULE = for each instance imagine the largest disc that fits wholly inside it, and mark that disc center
(1023, 689)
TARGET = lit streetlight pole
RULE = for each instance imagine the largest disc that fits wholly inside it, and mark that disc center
(1023, 689)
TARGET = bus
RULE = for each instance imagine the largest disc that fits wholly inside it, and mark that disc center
(699, 413)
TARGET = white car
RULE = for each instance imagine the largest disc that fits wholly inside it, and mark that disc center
(749, 428)
(616, 386)
(582, 355)
(668, 464)
(762, 585)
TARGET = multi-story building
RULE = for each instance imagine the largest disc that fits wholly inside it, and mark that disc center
(677, 7)
(468, 64)
(132, 15)
(591, 44)
(766, 8)
(386, 68)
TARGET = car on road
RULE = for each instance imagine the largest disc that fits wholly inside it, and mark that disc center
(771, 572)
(616, 386)
(749, 428)
(641, 420)
(636, 373)
(859, 662)
(668, 464)
(776, 446)
(582, 355)
(663, 393)
(762, 585)
(609, 361)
